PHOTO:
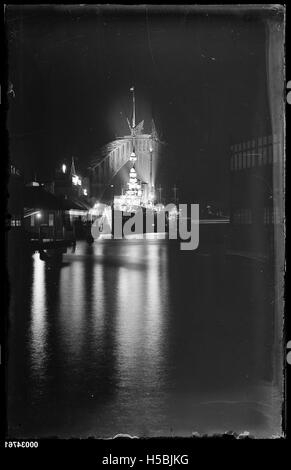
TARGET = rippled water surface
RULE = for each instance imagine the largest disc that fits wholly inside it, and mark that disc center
(139, 337)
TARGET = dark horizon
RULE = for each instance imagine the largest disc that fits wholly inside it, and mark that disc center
(200, 75)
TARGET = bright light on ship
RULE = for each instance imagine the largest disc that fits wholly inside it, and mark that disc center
(76, 180)
(133, 157)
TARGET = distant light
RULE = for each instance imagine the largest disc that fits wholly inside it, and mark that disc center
(75, 180)
(85, 192)
(79, 181)
(64, 168)
(112, 186)
(38, 215)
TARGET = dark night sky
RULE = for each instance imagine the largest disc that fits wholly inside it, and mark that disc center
(201, 75)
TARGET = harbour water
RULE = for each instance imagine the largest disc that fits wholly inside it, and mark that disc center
(139, 337)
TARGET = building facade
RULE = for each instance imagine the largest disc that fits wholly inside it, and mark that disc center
(255, 206)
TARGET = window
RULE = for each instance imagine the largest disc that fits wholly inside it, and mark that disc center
(242, 216)
(276, 215)
(244, 159)
(260, 157)
(264, 156)
(254, 159)
(15, 221)
(51, 219)
(268, 215)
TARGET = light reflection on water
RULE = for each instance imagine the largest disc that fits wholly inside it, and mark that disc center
(38, 328)
(140, 337)
(115, 339)
(72, 312)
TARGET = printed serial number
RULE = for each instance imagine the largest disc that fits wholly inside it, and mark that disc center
(23, 444)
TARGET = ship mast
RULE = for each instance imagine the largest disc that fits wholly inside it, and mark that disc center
(134, 187)
(133, 108)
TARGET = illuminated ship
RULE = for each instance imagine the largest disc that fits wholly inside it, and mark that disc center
(140, 190)
(110, 166)
(128, 163)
